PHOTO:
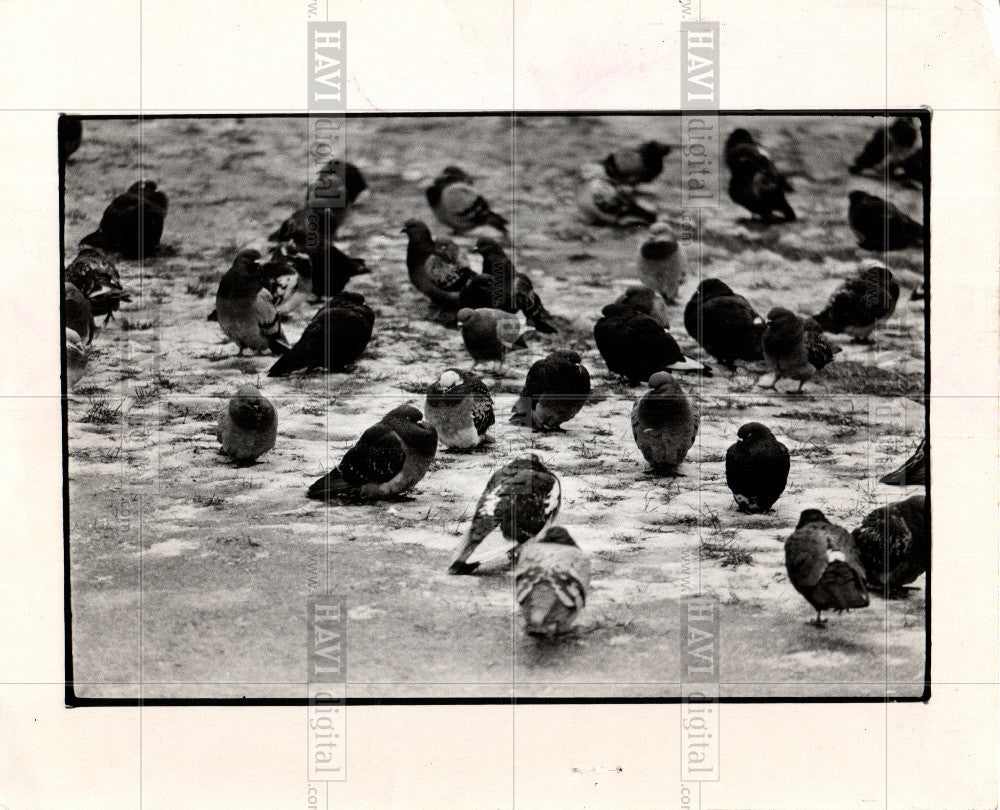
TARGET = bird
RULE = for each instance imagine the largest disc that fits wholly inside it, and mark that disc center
(723, 323)
(489, 334)
(823, 565)
(642, 164)
(648, 302)
(247, 426)
(133, 223)
(890, 147)
(331, 268)
(460, 408)
(912, 472)
(861, 303)
(79, 317)
(635, 346)
(76, 357)
(436, 266)
(662, 263)
(502, 287)
(521, 500)
(894, 545)
(283, 272)
(246, 313)
(794, 349)
(880, 225)
(337, 335)
(328, 201)
(604, 203)
(70, 129)
(554, 391)
(550, 581)
(95, 274)
(755, 183)
(387, 461)
(458, 205)
(664, 424)
(757, 467)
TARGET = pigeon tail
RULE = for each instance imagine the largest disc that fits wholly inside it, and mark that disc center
(329, 486)
(213, 315)
(496, 221)
(285, 364)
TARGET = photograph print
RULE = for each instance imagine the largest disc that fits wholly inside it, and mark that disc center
(493, 407)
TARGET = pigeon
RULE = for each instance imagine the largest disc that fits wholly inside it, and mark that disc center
(755, 183)
(248, 426)
(133, 223)
(387, 461)
(94, 273)
(890, 148)
(336, 336)
(724, 324)
(633, 166)
(331, 268)
(880, 225)
(246, 313)
(824, 566)
(664, 424)
(327, 204)
(914, 470)
(78, 314)
(646, 301)
(604, 203)
(756, 468)
(662, 264)
(894, 545)
(458, 205)
(522, 500)
(551, 580)
(460, 408)
(794, 349)
(861, 303)
(76, 357)
(70, 132)
(555, 390)
(635, 346)
(283, 272)
(507, 289)
(489, 334)
(436, 267)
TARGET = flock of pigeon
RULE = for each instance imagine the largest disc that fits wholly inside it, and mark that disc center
(496, 311)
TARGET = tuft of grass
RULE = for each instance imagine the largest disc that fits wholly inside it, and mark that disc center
(851, 377)
(199, 289)
(215, 501)
(100, 413)
(731, 553)
(137, 324)
(145, 394)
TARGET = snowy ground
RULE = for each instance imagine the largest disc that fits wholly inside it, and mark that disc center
(192, 576)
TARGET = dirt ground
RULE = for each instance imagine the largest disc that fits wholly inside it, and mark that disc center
(191, 575)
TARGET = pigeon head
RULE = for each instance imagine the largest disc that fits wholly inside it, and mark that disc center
(354, 181)
(487, 247)
(713, 288)
(409, 424)
(248, 409)
(248, 255)
(780, 315)
(557, 535)
(662, 230)
(449, 379)
(651, 150)
(739, 136)
(858, 197)
(811, 516)
(664, 380)
(452, 174)
(144, 187)
(754, 432)
(465, 315)
(349, 297)
(904, 132)
(413, 227)
(614, 310)
(568, 356)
